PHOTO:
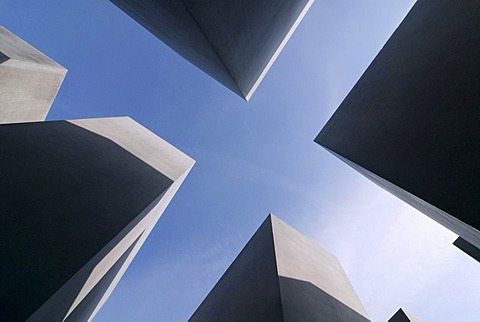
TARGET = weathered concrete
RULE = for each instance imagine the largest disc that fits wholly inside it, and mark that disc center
(281, 275)
(410, 124)
(29, 80)
(235, 42)
(403, 316)
(78, 199)
(468, 248)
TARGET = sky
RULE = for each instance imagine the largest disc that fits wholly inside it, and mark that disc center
(253, 158)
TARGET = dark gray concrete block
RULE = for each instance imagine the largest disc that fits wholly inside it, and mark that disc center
(410, 124)
(468, 248)
(29, 80)
(403, 316)
(235, 42)
(77, 197)
(281, 275)
(249, 289)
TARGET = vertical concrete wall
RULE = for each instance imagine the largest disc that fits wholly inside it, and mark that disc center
(172, 23)
(73, 202)
(403, 316)
(249, 289)
(410, 124)
(313, 284)
(235, 42)
(468, 248)
(248, 35)
(280, 275)
(29, 80)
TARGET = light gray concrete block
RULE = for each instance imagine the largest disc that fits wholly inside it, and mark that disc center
(410, 124)
(78, 199)
(29, 80)
(403, 316)
(235, 42)
(281, 275)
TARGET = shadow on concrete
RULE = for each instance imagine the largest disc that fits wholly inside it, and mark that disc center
(86, 308)
(248, 290)
(412, 118)
(304, 302)
(65, 192)
(3, 58)
(468, 248)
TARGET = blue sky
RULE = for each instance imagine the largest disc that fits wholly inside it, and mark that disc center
(252, 158)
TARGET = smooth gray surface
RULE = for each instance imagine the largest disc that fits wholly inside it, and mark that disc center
(403, 316)
(410, 124)
(280, 275)
(171, 22)
(73, 202)
(87, 306)
(468, 248)
(78, 187)
(249, 289)
(235, 41)
(303, 301)
(29, 80)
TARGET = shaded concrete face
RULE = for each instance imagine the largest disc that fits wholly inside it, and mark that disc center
(29, 80)
(468, 248)
(71, 201)
(403, 316)
(287, 278)
(79, 188)
(249, 289)
(410, 124)
(304, 301)
(87, 306)
(235, 42)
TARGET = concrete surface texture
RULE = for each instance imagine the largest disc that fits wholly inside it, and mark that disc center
(29, 80)
(78, 199)
(403, 316)
(468, 248)
(235, 42)
(281, 275)
(410, 124)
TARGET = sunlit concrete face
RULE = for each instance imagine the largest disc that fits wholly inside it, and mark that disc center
(411, 125)
(29, 80)
(235, 42)
(78, 199)
(281, 275)
(403, 316)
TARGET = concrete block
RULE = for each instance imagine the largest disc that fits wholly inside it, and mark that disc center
(235, 42)
(403, 316)
(468, 248)
(78, 199)
(281, 275)
(29, 80)
(411, 123)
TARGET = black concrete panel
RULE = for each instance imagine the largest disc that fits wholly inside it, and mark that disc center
(246, 33)
(468, 248)
(399, 317)
(86, 308)
(232, 41)
(303, 301)
(402, 316)
(249, 289)
(171, 22)
(411, 123)
(65, 192)
(3, 58)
